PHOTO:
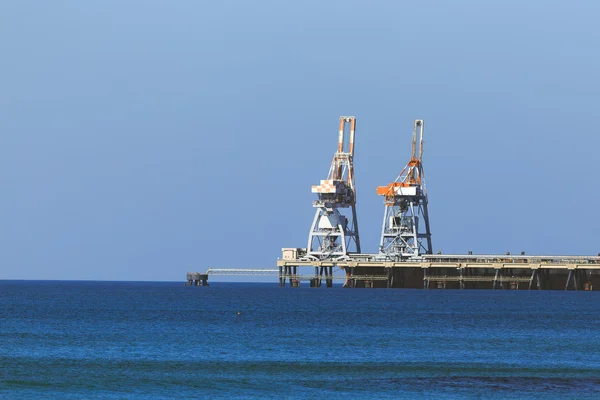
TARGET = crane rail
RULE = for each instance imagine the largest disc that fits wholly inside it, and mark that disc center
(323, 277)
(477, 278)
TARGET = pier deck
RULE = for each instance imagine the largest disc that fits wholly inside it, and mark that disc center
(453, 261)
(460, 271)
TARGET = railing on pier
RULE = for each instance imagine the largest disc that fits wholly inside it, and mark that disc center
(456, 278)
(275, 272)
(242, 272)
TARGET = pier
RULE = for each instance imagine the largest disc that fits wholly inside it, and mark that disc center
(460, 271)
(453, 271)
(405, 257)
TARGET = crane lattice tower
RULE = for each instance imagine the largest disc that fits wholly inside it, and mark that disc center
(405, 231)
(334, 230)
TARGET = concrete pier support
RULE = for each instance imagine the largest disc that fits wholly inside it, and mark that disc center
(329, 277)
(291, 274)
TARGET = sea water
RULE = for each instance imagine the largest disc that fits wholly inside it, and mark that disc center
(123, 340)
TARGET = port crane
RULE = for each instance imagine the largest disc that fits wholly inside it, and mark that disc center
(405, 256)
(334, 230)
(405, 231)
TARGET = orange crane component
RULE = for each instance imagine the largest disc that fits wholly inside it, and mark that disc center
(411, 175)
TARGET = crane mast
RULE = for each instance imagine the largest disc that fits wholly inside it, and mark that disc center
(334, 230)
(405, 231)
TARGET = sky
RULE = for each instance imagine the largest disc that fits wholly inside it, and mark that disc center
(140, 140)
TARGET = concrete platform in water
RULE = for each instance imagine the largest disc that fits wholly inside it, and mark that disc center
(196, 279)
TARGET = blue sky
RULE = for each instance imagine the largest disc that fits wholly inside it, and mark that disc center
(143, 139)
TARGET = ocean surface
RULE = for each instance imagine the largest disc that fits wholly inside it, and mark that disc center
(124, 340)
